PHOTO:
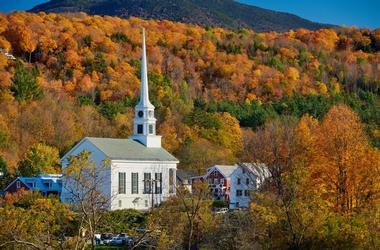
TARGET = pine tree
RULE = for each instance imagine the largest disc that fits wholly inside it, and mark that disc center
(25, 86)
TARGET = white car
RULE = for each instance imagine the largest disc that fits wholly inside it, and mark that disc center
(222, 211)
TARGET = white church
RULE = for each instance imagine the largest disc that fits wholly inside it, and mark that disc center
(141, 174)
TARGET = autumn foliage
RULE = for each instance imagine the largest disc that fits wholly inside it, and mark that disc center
(304, 102)
(324, 185)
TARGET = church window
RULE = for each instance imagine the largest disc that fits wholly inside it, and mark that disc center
(147, 183)
(158, 183)
(140, 114)
(135, 183)
(151, 129)
(122, 189)
(139, 129)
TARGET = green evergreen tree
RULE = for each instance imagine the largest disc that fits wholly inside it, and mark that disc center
(4, 176)
(25, 86)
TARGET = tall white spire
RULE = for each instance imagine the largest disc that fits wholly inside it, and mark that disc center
(144, 95)
(145, 122)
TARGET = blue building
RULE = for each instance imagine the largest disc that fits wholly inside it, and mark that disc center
(46, 184)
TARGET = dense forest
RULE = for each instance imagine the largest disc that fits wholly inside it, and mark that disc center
(304, 102)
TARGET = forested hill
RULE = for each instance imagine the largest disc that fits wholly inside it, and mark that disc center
(222, 13)
(78, 75)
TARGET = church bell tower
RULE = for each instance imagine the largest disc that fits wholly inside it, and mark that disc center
(144, 121)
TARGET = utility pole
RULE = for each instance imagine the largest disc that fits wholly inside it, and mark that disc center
(151, 183)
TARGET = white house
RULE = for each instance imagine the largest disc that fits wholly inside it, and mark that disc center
(140, 173)
(235, 183)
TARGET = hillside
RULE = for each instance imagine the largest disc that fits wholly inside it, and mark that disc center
(78, 75)
(222, 13)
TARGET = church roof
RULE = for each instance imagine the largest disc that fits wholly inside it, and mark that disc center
(125, 149)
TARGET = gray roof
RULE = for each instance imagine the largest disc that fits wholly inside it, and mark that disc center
(184, 174)
(259, 169)
(226, 170)
(125, 149)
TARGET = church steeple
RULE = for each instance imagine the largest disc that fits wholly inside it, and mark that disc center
(144, 96)
(145, 122)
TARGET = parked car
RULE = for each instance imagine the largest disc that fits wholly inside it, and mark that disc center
(116, 241)
(125, 238)
(222, 210)
(106, 238)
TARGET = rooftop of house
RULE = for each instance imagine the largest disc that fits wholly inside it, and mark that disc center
(126, 149)
(184, 174)
(261, 170)
(225, 170)
(43, 182)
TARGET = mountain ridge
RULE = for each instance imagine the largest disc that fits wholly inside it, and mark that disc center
(216, 13)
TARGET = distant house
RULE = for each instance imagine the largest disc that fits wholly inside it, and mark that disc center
(184, 178)
(234, 183)
(46, 184)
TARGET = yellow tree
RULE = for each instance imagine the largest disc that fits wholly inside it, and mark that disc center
(348, 162)
(22, 39)
(287, 211)
(28, 221)
(184, 219)
(86, 180)
(40, 159)
(202, 154)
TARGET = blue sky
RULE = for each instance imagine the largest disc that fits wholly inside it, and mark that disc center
(364, 13)
(11, 5)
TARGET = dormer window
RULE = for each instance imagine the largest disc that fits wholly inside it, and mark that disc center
(140, 128)
(48, 184)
